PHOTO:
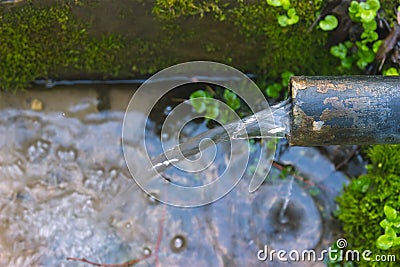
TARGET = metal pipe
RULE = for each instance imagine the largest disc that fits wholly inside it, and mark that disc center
(344, 110)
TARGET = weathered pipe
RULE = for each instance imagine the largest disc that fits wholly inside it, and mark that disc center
(344, 110)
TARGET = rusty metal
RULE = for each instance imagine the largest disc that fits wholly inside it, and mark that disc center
(344, 110)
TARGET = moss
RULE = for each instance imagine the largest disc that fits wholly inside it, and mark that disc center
(277, 48)
(45, 41)
(72, 40)
(362, 203)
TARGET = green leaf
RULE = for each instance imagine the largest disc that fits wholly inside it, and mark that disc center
(374, 5)
(285, 4)
(198, 100)
(293, 20)
(286, 77)
(282, 20)
(389, 231)
(212, 111)
(339, 51)
(274, 90)
(390, 213)
(274, 2)
(368, 15)
(376, 45)
(369, 26)
(329, 23)
(391, 72)
(231, 99)
(354, 7)
(384, 224)
(347, 63)
(384, 242)
(291, 13)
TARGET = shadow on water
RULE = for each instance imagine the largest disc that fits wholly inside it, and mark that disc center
(61, 164)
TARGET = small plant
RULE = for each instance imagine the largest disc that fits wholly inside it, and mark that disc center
(274, 90)
(368, 45)
(290, 17)
(329, 23)
(391, 224)
(203, 102)
(371, 202)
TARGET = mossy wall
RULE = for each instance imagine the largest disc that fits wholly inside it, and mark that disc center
(77, 39)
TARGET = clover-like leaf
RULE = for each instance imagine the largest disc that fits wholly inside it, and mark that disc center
(374, 5)
(384, 223)
(384, 242)
(274, 2)
(231, 99)
(339, 51)
(367, 15)
(390, 213)
(285, 4)
(282, 20)
(273, 90)
(329, 23)
(198, 100)
(376, 45)
(391, 72)
(286, 77)
(212, 111)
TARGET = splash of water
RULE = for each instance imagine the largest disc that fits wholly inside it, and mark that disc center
(282, 214)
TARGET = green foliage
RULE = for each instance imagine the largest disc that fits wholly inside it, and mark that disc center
(177, 8)
(38, 42)
(391, 72)
(368, 45)
(290, 17)
(203, 102)
(391, 225)
(274, 90)
(231, 99)
(329, 23)
(371, 202)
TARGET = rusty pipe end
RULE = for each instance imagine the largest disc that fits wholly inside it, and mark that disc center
(344, 110)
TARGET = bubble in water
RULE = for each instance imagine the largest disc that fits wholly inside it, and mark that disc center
(38, 150)
(113, 173)
(66, 153)
(146, 251)
(178, 243)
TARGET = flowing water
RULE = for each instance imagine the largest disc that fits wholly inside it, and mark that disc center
(61, 165)
(273, 122)
(282, 214)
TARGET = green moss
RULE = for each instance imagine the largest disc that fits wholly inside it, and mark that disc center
(45, 41)
(362, 203)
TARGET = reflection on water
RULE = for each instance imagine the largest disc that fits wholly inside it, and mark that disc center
(62, 166)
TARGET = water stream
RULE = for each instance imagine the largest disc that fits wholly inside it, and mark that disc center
(282, 214)
(273, 122)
